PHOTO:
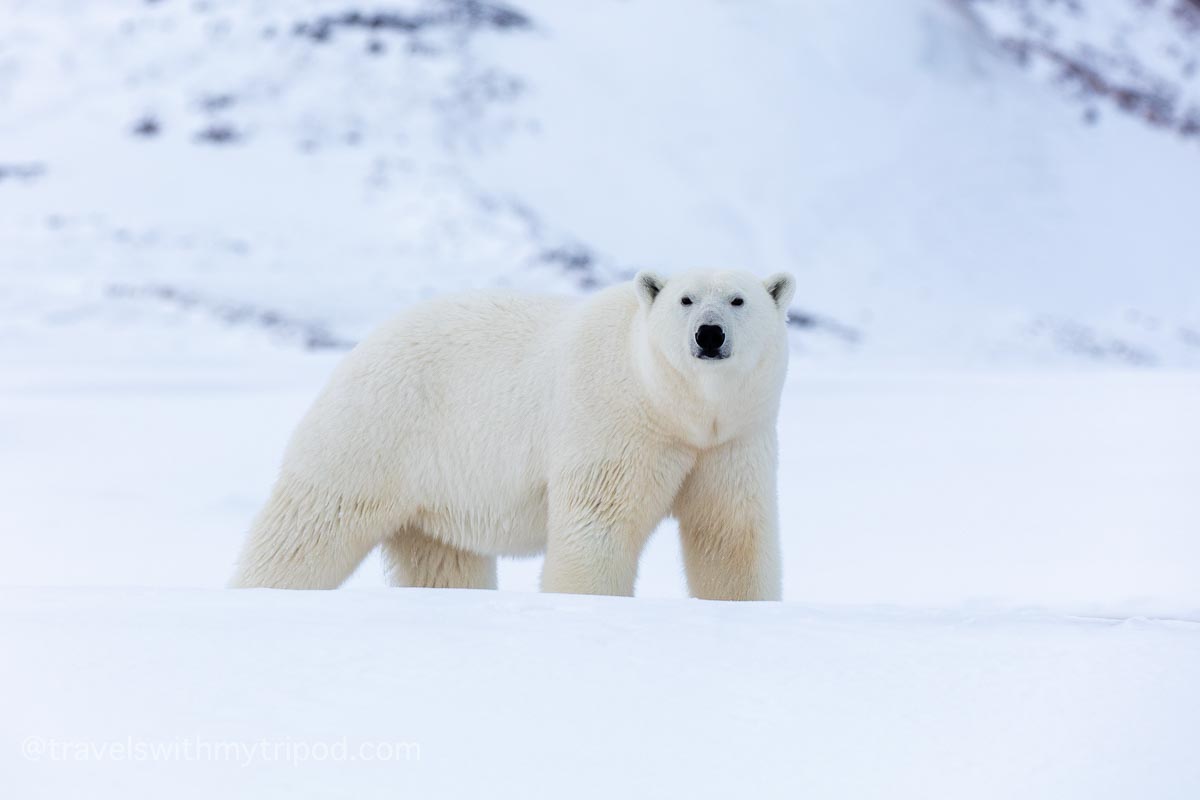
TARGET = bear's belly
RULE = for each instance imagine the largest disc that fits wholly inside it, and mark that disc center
(514, 528)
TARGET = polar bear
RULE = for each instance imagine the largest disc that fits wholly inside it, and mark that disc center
(490, 425)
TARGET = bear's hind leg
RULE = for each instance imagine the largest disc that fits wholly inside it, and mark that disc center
(417, 560)
(308, 539)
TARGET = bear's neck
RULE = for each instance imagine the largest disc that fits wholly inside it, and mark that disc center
(704, 408)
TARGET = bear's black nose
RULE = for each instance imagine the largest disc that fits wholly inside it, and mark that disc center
(710, 338)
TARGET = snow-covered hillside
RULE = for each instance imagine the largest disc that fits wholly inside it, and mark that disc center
(1131, 56)
(309, 167)
(989, 438)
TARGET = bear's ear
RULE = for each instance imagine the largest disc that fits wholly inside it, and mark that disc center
(648, 286)
(781, 286)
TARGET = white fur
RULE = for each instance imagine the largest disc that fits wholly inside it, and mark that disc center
(494, 424)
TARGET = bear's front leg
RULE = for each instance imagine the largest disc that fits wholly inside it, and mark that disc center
(729, 522)
(601, 515)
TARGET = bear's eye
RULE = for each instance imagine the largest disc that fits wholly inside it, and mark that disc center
(687, 301)
(737, 301)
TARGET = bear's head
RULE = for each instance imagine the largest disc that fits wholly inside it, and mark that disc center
(715, 320)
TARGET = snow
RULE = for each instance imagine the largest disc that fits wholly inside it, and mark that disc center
(519, 695)
(990, 583)
(1147, 48)
(989, 438)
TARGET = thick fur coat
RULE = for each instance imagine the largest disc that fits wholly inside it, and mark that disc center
(490, 425)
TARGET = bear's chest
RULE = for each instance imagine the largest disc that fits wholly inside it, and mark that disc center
(713, 429)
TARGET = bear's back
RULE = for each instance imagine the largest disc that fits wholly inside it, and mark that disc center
(468, 379)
